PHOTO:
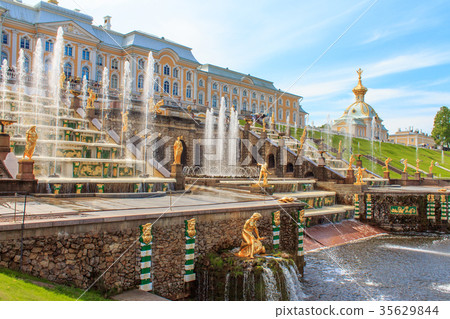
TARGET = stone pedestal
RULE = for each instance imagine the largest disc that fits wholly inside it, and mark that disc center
(430, 175)
(404, 176)
(263, 135)
(247, 126)
(177, 173)
(26, 167)
(386, 174)
(417, 176)
(350, 178)
(5, 146)
(321, 161)
(339, 155)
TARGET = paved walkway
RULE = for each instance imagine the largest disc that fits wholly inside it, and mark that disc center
(138, 295)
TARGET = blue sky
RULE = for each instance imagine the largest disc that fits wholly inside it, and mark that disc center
(402, 46)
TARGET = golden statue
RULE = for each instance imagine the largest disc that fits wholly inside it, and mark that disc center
(155, 107)
(264, 126)
(386, 163)
(340, 147)
(191, 228)
(31, 137)
(91, 99)
(177, 151)
(286, 200)
(405, 165)
(277, 218)
(430, 169)
(62, 79)
(147, 233)
(301, 216)
(369, 197)
(359, 176)
(263, 174)
(356, 198)
(272, 121)
(417, 165)
(124, 121)
(251, 245)
(350, 162)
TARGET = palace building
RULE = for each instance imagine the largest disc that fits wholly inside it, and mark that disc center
(360, 119)
(179, 77)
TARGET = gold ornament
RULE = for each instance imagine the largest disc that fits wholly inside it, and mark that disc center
(191, 228)
(251, 245)
(31, 137)
(147, 233)
(177, 150)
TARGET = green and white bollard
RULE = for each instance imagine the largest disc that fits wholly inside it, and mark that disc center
(445, 207)
(146, 240)
(276, 221)
(150, 188)
(189, 255)
(369, 206)
(356, 204)
(431, 208)
(301, 229)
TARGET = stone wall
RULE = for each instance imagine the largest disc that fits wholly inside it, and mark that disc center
(79, 251)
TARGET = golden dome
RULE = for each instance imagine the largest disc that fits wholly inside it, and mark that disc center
(359, 90)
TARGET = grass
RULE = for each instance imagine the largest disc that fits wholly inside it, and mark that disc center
(17, 286)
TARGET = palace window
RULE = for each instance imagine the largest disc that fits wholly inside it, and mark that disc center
(166, 70)
(27, 64)
(244, 93)
(85, 72)
(262, 97)
(253, 108)
(141, 64)
(99, 60)
(68, 70)
(166, 87)
(270, 111)
(244, 106)
(24, 43)
(214, 86)
(47, 66)
(214, 101)
(4, 56)
(270, 99)
(49, 46)
(254, 95)
(156, 68)
(200, 98)
(86, 54)
(287, 115)
(280, 114)
(287, 102)
(262, 109)
(68, 50)
(235, 91)
(140, 83)
(175, 73)
(188, 92)
(156, 85)
(225, 101)
(294, 117)
(225, 88)
(280, 102)
(4, 37)
(99, 76)
(235, 104)
(115, 64)
(189, 76)
(175, 89)
(114, 81)
(201, 83)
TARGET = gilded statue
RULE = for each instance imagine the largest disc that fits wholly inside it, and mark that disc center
(263, 174)
(251, 245)
(31, 138)
(350, 162)
(405, 165)
(301, 216)
(125, 121)
(340, 147)
(430, 169)
(264, 126)
(62, 80)
(286, 200)
(356, 198)
(386, 163)
(177, 151)
(155, 107)
(359, 176)
(302, 141)
(417, 165)
(191, 228)
(91, 99)
(147, 233)
(369, 197)
(277, 218)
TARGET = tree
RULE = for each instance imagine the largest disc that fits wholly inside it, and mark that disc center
(441, 127)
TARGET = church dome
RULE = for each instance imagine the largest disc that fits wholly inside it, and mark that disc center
(360, 108)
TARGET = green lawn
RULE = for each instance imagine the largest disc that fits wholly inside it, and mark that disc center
(16, 286)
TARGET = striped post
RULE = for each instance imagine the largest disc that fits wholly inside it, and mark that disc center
(100, 188)
(136, 187)
(276, 230)
(56, 188)
(165, 187)
(431, 209)
(445, 207)
(356, 203)
(190, 235)
(369, 206)
(146, 240)
(301, 229)
(150, 188)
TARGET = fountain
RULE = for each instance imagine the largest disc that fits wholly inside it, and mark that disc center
(148, 100)
(3, 85)
(20, 88)
(84, 89)
(38, 72)
(126, 101)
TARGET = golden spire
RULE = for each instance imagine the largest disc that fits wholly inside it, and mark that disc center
(359, 90)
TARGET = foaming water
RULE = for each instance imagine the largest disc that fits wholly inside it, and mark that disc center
(419, 250)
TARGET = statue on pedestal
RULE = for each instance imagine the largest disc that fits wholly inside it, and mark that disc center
(91, 99)
(177, 150)
(430, 169)
(251, 245)
(405, 165)
(340, 147)
(263, 174)
(359, 176)
(350, 162)
(386, 163)
(417, 165)
(31, 137)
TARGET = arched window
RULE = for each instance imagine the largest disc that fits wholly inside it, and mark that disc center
(4, 37)
(288, 115)
(280, 102)
(49, 46)
(68, 70)
(189, 76)
(214, 86)
(166, 70)
(86, 54)
(99, 76)
(140, 83)
(114, 81)
(270, 99)
(24, 43)
(68, 50)
(254, 95)
(235, 91)
(253, 108)
(99, 60)
(287, 102)
(141, 64)
(280, 114)
(235, 104)
(47, 66)
(262, 109)
(166, 87)
(85, 72)
(270, 112)
(201, 83)
(200, 98)
(4, 56)
(244, 106)
(27, 64)
(156, 68)
(225, 88)
(188, 92)
(244, 93)
(294, 117)
(175, 73)
(175, 88)
(226, 102)
(156, 85)
(262, 97)
(115, 64)
(214, 101)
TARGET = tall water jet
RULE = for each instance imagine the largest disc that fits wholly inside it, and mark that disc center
(288, 130)
(233, 133)
(349, 138)
(4, 82)
(55, 85)
(38, 72)
(372, 137)
(148, 97)
(20, 88)
(126, 99)
(221, 135)
(84, 88)
(208, 140)
(105, 95)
